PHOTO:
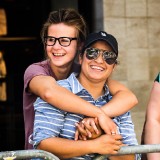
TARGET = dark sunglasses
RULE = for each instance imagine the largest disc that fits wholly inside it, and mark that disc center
(108, 56)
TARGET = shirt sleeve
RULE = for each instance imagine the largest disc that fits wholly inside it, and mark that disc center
(126, 129)
(32, 71)
(48, 122)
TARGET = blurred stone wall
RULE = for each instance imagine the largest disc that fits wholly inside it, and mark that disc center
(136, 25)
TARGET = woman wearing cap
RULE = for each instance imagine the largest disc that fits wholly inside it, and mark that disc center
(54, 129)
(63, 35)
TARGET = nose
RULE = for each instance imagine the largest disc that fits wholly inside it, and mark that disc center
(99, 59)
(56, 45)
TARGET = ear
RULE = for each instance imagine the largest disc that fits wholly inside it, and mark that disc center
(114, 66)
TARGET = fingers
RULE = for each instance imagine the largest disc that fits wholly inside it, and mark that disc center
(108, 144)
(115, 151)
(82, 132)
(114, 129)
(95, 126)
(89, 134)
(81, 129)
(118, 143)
(80, 137)
(113, 133)
(117, 137)
(90, 126)
(76, 135)
(107, 124)
(117, 148)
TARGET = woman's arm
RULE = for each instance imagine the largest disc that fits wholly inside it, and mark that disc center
(106, 144)
(152, 126)
(47, 88)
(49, 124)
(122, 101)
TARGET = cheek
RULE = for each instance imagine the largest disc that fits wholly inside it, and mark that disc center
(83, 60)
(85, 65)
(110, 69)
(71, 52)
(48, 49)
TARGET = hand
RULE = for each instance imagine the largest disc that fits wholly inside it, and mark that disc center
(123, 157)
(88, 128)
(107, 124)
(107, 144)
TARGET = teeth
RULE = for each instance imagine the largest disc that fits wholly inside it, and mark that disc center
(96, 67)
(58, 54)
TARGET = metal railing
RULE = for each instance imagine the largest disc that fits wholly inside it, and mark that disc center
(27, 154)
(152, 148)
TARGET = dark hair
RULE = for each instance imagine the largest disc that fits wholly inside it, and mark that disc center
(69, 17)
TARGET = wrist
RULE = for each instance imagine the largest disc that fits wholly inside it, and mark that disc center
(100, 112)
(91, 146)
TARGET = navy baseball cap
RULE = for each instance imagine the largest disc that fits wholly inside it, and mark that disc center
(102, 35)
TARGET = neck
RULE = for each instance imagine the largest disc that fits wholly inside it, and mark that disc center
(61, 72)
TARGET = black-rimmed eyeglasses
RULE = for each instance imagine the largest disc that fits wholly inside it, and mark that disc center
(108, 56)
(63, 41)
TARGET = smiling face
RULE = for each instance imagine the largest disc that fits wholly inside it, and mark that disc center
(62, 56)
(96, 70)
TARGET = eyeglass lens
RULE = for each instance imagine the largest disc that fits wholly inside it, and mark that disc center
(93, 53)
(63, 41)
